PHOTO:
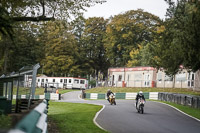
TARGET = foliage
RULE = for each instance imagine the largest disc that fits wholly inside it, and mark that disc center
(92, 83)
(60, 50)
(126, 32)
(23, 50)
(82, 60)
(74, 117)
(180, 43)
(13, 14)
(93, 36)
(5, 122)
(45, 10)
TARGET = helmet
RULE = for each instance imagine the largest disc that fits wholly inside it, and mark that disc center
(140, 93)
(108, 89)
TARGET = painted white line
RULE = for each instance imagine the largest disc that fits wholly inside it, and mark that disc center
(178, 110)
(97, 114)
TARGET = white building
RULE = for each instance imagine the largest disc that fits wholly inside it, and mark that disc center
(150, 77)
(62, 82)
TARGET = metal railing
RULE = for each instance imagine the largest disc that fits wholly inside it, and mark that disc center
(152, 83)
(186, 100)
(35, 121)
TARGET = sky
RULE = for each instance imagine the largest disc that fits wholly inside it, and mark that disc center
(114, 7)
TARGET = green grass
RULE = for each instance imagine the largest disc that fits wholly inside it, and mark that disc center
(5, 122)
(24, 91)
(62, 91)
(186, 109)
(74, 117)
(129, 89)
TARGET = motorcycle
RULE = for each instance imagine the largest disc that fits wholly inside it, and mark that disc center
(140, 105)
(112, 99)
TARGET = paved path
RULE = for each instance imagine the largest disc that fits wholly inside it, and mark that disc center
(123, 118)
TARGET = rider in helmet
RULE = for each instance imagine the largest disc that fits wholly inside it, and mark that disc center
(139, 95)
(108, 94)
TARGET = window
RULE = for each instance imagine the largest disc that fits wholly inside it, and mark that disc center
(4, 89)
(38, 80)
(137, 77)
(181, 77)
(129, 77)
(53, 80)
(61, 80)
(42, 80)
(168, 78)
(76, 81)
(70, 80)
(46, 80)
(65, 80)
(82, 81)
(159, 76)
(120, 78)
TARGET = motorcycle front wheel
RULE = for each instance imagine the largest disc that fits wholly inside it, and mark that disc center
(142, 110)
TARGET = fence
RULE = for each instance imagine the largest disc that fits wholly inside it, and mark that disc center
(147, 95)
(152, 83)
(35, 121)
(186, 100)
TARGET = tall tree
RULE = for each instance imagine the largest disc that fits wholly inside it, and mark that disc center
(14, 13)
(94, 33)
(60, 50)
(183, 26)
(126, 32)
(78, 31)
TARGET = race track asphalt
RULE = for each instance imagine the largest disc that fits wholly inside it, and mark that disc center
(123, 117)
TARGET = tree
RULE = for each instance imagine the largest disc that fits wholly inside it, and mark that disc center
(184, 24)
(94, 33)
(78, 30)
(44, 10)
(60, 50)
(14, 13)
(126, 32)
(25, 50)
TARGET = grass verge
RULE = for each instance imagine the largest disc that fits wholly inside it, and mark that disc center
(5, 122)
(74, 117)
(186, 109)
(62, 91)
(130, 89)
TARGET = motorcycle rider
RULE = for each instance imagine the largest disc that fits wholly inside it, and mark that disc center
(109, 92)
(139, 95)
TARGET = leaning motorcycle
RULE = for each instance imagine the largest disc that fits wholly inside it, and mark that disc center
(140, 105)
(112, 99)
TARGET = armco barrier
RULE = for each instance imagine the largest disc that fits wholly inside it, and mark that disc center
(147, 95)
(35, 121)
(187, 100)
(50, 96)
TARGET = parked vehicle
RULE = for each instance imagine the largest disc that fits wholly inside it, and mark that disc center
(62, 82)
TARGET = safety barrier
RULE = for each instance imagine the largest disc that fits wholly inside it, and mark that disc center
(187, 100)
(147, 95)
(35, 121)
(50, 96)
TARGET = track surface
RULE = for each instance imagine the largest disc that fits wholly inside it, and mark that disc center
(123, 118)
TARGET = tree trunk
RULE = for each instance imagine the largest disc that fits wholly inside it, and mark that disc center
(173, 84)
(5, 60)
